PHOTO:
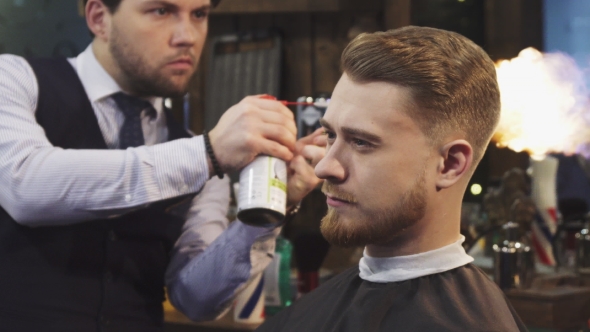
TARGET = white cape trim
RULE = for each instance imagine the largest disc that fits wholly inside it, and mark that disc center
(393, 269)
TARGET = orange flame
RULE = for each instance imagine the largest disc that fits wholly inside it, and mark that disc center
(544, 104)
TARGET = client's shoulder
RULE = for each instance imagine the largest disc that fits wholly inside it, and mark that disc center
(476, 300)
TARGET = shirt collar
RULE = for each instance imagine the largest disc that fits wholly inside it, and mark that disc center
(394, 269)
(96, 81)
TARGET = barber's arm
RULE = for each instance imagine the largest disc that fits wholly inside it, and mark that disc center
(46, 185)
(43, 185)
(211, 266)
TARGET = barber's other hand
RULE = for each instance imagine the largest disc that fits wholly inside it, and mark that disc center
(309, 150)
(252, 127)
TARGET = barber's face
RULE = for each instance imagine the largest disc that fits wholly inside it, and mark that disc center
(157, 44)
(375, 165)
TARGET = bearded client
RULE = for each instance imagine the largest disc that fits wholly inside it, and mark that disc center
(408, 122)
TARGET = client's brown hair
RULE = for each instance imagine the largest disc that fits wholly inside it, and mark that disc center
(452, 80)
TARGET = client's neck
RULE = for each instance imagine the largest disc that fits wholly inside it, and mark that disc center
(421, 237)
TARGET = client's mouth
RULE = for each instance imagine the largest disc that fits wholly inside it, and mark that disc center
(335, 201)
(182, 63)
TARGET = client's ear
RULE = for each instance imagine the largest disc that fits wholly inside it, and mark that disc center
(455, 161)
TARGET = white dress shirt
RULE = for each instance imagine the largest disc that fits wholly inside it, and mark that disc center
(44, 185)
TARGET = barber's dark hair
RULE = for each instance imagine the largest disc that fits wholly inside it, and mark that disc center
(112, 5)
(451, 79)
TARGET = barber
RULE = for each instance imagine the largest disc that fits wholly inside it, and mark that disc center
(98, 183)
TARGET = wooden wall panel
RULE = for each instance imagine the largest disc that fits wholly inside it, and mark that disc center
(260, 6)
(313, 42)
(326, 53)
(503, 36)
(396, 13)
(253, 22)
(297, 73)
(312, 45)
(198, 85)
(293, 6)
(511, 26)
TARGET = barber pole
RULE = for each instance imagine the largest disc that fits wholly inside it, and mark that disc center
(543, 193)
(249, 304)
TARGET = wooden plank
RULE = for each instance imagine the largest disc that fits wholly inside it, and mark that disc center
(326, 54)
(396, 13)
(503, 30)
(197, 102)
(360, 5)
(561, 307)
(260, 6)
(532, 24)
(296, 80)
(290, 6)
(345, 5)
(175, 321)
(217, 26)
(540, 314)
(323, 5)
(331, 34)
(502, 160)
(250, 22)
(512, 26)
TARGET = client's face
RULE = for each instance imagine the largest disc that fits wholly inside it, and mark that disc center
(375, 164)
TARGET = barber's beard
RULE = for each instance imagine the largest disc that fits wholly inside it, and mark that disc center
(141, 79)
(375, 226)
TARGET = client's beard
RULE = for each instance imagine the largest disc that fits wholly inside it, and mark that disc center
(373, 226)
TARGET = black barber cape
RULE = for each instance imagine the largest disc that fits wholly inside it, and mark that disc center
(462, 299)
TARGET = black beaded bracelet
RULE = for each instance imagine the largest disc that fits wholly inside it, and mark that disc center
(211, 155)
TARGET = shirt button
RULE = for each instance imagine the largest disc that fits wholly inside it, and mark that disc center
(112, 236)
(128, 198)
(184, 188)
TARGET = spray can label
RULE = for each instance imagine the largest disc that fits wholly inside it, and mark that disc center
(263, 184)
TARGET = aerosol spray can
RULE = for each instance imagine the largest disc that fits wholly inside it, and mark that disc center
(262, 197)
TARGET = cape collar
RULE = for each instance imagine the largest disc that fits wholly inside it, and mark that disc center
(400, 268)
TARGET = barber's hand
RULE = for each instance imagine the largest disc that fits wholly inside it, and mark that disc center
(252, 127)
(309, 150)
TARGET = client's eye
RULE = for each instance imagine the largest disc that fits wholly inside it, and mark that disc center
(360, 142)
(201, 14)
(329, 135)
(161, 11)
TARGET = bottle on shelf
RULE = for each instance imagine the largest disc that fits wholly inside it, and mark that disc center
(277, 276)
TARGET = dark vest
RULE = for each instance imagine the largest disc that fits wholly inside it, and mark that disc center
(102, 275)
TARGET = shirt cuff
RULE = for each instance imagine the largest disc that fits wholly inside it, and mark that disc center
(181, 166)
